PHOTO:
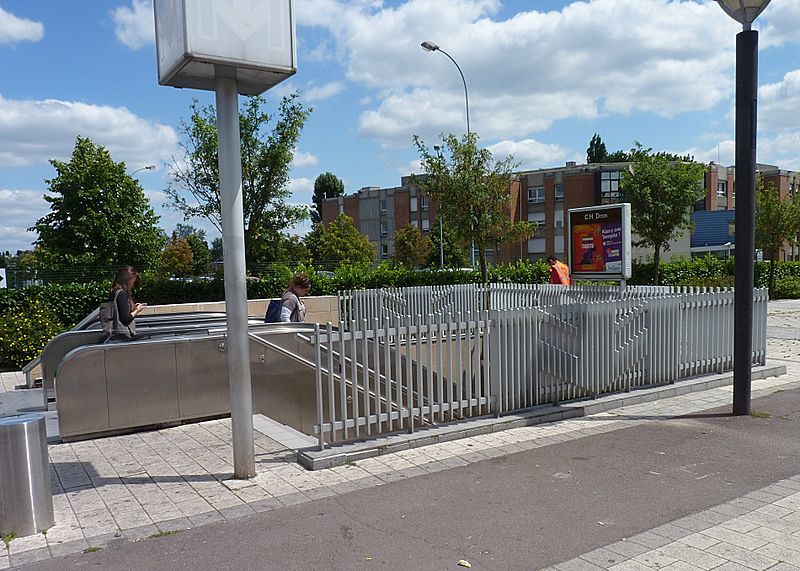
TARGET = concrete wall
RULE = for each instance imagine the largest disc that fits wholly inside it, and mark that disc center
(319, 309)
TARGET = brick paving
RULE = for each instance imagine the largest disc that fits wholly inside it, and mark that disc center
(138, 485)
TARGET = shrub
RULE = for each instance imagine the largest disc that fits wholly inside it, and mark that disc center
(25, 330)
(787, 288)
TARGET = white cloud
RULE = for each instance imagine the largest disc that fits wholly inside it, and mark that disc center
(778, 104)
(323, 91)
(779, 24)
(302, 190)
(135, 25)
(301, 159)
(532, 69)
(529, 153)
(15, 29)
(32, 132)
(21, 209)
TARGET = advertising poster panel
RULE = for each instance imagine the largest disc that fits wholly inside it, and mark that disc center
(600, 242)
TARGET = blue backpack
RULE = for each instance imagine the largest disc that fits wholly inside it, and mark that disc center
(273, 314)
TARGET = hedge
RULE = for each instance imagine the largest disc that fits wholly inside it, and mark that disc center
(30, 317)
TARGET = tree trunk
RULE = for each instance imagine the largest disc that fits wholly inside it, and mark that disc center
(484, 276)
(656, 265)
(773, 265)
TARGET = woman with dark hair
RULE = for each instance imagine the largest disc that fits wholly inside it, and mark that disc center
(292, 307)
(122, 326)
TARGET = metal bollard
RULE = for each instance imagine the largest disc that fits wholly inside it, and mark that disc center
(26, 502)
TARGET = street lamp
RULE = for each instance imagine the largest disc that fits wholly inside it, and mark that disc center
(744, 12)
(431, 47)
(144, 168)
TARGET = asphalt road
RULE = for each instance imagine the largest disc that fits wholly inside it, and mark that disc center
(522, 511)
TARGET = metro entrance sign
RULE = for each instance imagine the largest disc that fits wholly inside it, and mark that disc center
(599, 245)
(256, 37)
(230, 47)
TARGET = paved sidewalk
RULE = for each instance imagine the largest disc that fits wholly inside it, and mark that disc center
(760, 530)
(136, 486)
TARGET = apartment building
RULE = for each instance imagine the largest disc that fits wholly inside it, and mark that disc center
(543, 196)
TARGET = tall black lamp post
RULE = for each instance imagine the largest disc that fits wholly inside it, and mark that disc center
(744, 12)
(431, 47)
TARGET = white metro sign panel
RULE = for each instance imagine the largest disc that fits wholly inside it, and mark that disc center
(255, 38)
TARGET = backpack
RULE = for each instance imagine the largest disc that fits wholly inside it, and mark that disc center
(273, 314)
(109, 319)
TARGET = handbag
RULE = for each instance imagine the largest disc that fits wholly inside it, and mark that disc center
(109, 319)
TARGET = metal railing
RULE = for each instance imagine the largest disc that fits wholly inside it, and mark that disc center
(397, 370)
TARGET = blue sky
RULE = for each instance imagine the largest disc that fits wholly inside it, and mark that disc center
(543, 76)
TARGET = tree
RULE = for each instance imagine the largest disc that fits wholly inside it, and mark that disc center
(176, 259)
(777, 223)
(340, 242)
(455, 253)
(472, 190)
(596, 153)
(266, 160)
(196, 238)
(327, 185)
(99, 215)
(216, 250)
(411, 247)
(661, 192)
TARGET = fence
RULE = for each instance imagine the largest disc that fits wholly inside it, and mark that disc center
(390, 371)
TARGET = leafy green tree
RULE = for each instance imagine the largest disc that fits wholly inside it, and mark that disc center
(340, 242)
(411, 247)
(292, 249)
(617, 157)
(176, 259)
(472, 190)
(777, 223)
(327, 185)
(596, 153)
(266, 161)
(661, 192)
(196, 238)
(216, 250)
(455, 253)
(99, 215)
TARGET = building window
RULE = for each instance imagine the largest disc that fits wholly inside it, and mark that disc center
(383, 207)
(423, 201)
(414, 223)
(384, 231)
(536, 246)
(384, 251)
(609, 187)
(341, 208)
(559, 192)
(413, 204)
(558, 218)
(538, 219)
(722, 189)
(536, 194)
(426, 225)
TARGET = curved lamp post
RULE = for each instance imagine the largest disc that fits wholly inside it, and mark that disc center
(431, 47)
(744, 12)
(144, 168)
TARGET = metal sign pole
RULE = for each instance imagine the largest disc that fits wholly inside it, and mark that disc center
(230, 178)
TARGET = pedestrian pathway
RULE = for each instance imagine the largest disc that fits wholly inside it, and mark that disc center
(760, 530)
(135, 486)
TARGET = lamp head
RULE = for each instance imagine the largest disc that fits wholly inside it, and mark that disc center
(743, 11)
(431, 47)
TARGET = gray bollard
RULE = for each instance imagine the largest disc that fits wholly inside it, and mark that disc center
(26, 502)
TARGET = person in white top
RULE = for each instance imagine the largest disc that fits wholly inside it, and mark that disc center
(292, 307)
